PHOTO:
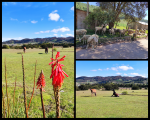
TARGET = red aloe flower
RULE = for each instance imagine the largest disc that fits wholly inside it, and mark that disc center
(58, 73)
(41, 81)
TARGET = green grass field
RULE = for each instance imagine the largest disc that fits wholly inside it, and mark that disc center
(14, 70)
(133, 105)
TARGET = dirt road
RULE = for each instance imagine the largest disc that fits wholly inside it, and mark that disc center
(128, 50)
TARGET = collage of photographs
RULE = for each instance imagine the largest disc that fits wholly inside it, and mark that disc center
(74, 59)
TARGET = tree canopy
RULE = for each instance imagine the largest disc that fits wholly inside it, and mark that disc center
(129, 9)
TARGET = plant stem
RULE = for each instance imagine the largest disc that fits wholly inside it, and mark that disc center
(42, 103)
(6, 87)
(57, 103)
(3, 103)
(14, 92)
(24, 89)
(52, 71)
(34, 85)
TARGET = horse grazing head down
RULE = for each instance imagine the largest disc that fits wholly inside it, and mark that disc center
(93, 91)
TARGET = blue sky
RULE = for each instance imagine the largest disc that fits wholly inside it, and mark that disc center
(94, 3)
(37, 19)
(111, 68)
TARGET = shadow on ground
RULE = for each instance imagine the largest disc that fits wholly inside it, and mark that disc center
(128, 50)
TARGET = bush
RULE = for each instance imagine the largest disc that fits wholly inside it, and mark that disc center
(124, 93)
(5, 47)
(135, 87)
(54, 49)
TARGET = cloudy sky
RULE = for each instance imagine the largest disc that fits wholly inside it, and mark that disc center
(111, 68)
(37, 19)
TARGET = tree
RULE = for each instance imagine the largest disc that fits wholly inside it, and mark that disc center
(134, 9)
(99, 16)
(5, 47)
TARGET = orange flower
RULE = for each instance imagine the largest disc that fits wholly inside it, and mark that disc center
(58, 73)
(41, 81)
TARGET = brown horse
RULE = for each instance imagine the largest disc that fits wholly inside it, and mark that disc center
(46, 50)
(115, 94)
(93, 91)
(24, 49)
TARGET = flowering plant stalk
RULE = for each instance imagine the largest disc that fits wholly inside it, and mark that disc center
(57, 76)
(24, 89)
(6, 87)
(40, 84)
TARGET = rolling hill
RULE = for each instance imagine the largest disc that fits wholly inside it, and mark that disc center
(41, 40)
(114, 79)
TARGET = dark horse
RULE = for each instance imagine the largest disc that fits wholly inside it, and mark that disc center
(24, 49)
(93, 91)
(46, 50)
(115, 94)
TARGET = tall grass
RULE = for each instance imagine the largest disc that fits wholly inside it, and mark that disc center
(15, 70)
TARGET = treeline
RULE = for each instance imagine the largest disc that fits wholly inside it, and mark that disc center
(41, 45)
(110, 86)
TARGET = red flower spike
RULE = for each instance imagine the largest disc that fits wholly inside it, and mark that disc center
(57, 74)
(41, 81)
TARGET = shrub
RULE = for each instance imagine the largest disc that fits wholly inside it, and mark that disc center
(124, 93)
(5, 47)
(135, 87)
(54, 49)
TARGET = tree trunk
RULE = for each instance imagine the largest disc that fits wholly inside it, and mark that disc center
(87, 12)
(111, 24)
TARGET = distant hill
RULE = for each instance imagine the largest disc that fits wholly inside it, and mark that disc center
(41, 40)
(113, 79)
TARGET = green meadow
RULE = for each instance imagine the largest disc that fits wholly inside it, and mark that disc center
(14, 71)
(132, 105)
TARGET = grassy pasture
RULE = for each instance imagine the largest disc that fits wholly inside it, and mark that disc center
(133, 105)
(14, 69)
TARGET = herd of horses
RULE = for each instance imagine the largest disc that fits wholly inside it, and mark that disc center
(93, 91)
(46, 50)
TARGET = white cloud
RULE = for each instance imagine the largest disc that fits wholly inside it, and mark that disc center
(13, 19)
(54, 16)
(61, 35)
(93, 70)
(47, 31)
(100, 69)
(61, 20)
(137, 74)
(34, 21)
(55, 34)
(63, 29)
(70, 35)
(114, 68)
(125, 67)
(72, 8)
(118, 73)
(17, 38)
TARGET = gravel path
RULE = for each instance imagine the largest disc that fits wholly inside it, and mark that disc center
(127, 50)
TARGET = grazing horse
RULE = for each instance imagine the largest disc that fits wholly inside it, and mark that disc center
(24, 49)
(115, 94)
(46, 50)
(93, 91)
